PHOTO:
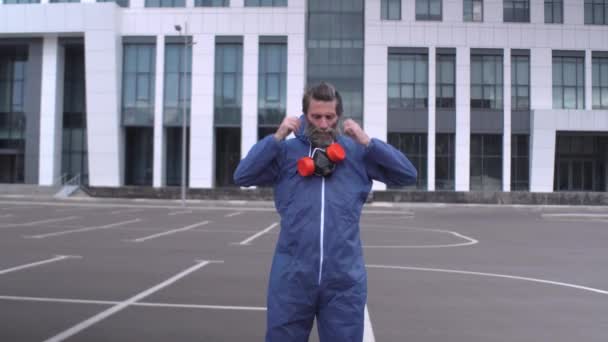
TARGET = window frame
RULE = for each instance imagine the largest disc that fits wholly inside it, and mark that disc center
(496, 87)
(516, 11)
(563, 89)
(424, 14)
(385, 10)
(554, 7)
(414, 102)
(468, 12)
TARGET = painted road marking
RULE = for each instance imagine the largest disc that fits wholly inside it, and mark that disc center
(234, 214)
(124, 304)
(33, 223)
(38, 263)
(134, 210)
(145, 304)
(86, 229)
(470, 241)
(173, 231)
(368, 332)
(496, 275)
(575, 215)
(180, 212)
(258, 234)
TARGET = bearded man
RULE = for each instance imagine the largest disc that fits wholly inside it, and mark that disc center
(321, 181)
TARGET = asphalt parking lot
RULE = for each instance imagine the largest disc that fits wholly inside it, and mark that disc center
(128, 270)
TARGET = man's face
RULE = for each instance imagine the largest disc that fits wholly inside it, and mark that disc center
(322, 122)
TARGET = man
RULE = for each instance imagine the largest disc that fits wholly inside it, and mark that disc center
(318, 268)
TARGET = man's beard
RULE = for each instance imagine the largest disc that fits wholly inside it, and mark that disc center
(321, 138)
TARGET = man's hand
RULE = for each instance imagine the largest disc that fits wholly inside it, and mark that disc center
(353, 130)
(289, 124)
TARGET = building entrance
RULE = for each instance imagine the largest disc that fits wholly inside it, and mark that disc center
(581, 163)
(11, 168)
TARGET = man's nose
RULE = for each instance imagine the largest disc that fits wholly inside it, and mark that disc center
(323, 123)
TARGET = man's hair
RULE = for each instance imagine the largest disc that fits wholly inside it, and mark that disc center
(322, 92)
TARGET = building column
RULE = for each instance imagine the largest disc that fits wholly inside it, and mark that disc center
(588, 80)
(296, 77)
(158, 178)
(542, 150)
(249, 122)
(463, 119)
(201, 118)
(506, 137)
(375, 88)
(103, 70)
(431, 130)
(51, 112)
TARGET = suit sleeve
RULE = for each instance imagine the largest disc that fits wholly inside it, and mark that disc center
(386, 164)
(260, 166)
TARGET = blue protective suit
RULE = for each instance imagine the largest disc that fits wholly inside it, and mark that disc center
(318, 266)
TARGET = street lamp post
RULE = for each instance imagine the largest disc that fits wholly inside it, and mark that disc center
(178, 28)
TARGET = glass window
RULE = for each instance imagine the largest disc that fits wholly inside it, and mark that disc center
(212, 3)
(446, 81)
(390, 9)
(486, 162)
(428, 9)
(121, 3)
(568, 82)
(444, 161)
(516, 11)
(407, 81)
(138, 155)
(74, 148)
(173, 153)
(165, 3)
(335, 50)
(13, 61)
(265, 3)
(138, 84)
(596, 12)
(177, 83)
(228, 84)
(413, 145)
(272, 84)
(520, 82)
(599, 78)
(520, 162)
(554, 11)
(473, 10)
(60, 1)
(227, 154)
(486, 82)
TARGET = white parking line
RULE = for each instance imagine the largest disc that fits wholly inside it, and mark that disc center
(173, 231)
(576, 215)
(233, 214)
(180, 212)
(496, 275)
(368, 332)
(134, 210)
(258, 234)
(148, 304)
(124, 304)
(38, 263)
(470, 241)
(33, 223)
(86, 229)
